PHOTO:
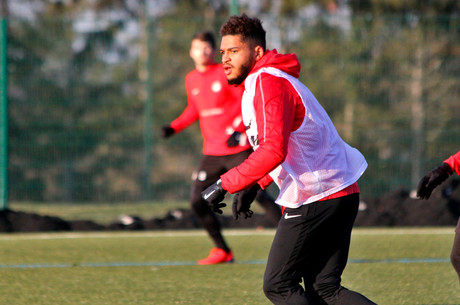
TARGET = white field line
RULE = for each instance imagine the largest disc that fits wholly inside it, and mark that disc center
(405, 231)
(229, 232)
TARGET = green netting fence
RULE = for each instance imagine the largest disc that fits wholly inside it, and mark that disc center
(87, 98)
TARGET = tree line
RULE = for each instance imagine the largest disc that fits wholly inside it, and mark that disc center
(91, 84)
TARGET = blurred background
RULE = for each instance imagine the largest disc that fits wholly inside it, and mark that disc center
(87, 85)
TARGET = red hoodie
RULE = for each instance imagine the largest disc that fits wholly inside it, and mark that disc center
(269, 111)
(279, 111)
(454, 162)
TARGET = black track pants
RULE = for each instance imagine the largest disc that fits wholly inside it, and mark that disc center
(311, 244)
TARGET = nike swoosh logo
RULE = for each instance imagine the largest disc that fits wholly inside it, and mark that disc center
(206, 196)
(287, 216)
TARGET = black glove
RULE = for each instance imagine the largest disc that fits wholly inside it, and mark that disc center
(242, 202)
(432, 179)
(214, 196)
(167, 131)
(234, 139)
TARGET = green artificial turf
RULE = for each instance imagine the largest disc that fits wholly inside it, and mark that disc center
(390, 266)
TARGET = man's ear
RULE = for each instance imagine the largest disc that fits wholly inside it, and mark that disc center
(259, 52)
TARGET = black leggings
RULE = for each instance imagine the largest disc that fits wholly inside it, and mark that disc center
(311, 244)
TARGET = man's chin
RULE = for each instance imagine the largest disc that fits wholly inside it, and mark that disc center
(240, 77)
(233, 82)
(236, 80)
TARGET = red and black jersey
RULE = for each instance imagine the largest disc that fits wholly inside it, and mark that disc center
(217, 106)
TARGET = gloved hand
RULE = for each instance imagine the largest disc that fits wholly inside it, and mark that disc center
(167, 131)
(432, 179)
(214, 196)
(242, 202)
(234, 139)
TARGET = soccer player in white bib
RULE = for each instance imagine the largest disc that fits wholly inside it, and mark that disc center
(296, 146)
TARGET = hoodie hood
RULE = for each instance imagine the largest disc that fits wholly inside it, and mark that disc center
(287, 63)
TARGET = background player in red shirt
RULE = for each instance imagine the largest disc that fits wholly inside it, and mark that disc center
(429, 182)
(217, 106)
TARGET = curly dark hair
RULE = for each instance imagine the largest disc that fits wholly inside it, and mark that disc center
(250, 29)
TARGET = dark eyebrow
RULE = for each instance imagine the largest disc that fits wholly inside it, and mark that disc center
(232, 48)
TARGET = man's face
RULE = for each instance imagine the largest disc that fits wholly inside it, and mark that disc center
(202, 52)
(238, 58)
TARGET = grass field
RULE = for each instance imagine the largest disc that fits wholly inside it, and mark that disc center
(390, 266)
